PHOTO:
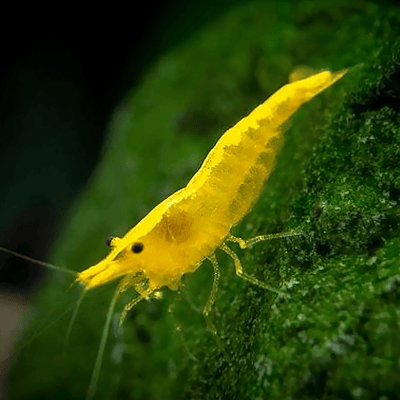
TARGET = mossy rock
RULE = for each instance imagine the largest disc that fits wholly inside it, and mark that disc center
(336, 181)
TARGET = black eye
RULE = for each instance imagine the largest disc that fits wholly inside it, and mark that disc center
(109, 240)
(137, 247)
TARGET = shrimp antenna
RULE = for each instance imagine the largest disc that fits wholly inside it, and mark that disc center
(99, 359)
(39, 332)
(73, 318)
(45, 264)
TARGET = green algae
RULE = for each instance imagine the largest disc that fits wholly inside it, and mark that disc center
(336, 180)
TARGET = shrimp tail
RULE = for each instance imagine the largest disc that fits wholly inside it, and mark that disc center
(286, 101)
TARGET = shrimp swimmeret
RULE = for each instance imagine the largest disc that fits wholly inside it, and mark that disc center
(190, 225)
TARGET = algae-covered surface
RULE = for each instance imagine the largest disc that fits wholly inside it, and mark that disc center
(335, 333)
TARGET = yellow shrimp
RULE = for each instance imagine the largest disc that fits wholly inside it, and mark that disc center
(176, 236)
(189, 226)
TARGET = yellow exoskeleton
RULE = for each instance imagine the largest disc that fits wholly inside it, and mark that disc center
(187, 227)
(190, 225)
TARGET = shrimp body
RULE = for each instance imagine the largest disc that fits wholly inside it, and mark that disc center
(187, 227)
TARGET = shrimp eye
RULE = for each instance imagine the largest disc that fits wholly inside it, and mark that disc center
(109, 240)
(137, 247)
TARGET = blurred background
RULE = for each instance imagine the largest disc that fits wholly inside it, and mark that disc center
(61, 77)
(62, 73)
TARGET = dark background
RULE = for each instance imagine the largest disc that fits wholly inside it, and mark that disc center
(337, 334)
(62, 74)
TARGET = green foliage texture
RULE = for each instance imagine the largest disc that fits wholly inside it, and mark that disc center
(335, 333)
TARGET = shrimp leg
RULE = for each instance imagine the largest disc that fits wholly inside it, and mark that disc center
(249, 242)
(241, 273)
(178, 329)
(213, 296)
(127, 308)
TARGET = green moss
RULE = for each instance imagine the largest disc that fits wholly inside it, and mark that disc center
(336, 180)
